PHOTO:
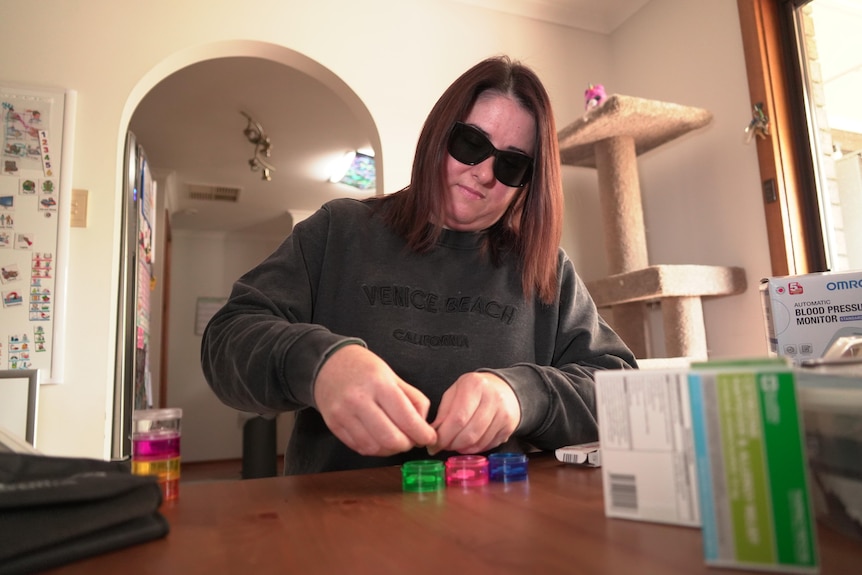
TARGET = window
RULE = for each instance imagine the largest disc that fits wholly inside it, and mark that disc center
(804, 61)
(830, 59)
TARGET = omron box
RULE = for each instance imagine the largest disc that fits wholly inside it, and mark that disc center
(805, 314)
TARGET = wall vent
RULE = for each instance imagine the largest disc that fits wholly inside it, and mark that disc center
(213, 193)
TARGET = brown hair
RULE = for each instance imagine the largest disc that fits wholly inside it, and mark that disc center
(531, 227)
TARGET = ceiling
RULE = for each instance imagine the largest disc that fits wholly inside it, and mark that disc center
(602, 16)
(190, 125)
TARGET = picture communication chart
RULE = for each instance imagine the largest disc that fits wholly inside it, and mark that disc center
(33, 228)
(146, 200)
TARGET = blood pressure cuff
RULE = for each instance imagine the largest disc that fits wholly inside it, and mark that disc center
(55, 510)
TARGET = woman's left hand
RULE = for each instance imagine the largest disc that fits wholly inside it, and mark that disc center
(477, 413)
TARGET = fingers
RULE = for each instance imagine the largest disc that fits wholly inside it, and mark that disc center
(368, 407)
(479, 431)
(392, 426)
(396, 421)
(374, 412)
(479, 412)
(372, 432)
(413, 422)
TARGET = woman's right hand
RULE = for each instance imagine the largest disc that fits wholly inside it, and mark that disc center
(368, 407)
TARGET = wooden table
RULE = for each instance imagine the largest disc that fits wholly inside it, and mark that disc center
(360, 522)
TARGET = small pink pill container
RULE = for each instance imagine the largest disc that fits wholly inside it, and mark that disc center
(467, 471)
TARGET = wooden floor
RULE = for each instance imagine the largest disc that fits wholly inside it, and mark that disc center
(216, 470)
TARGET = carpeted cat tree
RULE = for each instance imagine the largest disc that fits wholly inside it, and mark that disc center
(609, 137)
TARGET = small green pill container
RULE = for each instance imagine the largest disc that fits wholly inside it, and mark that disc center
(422, 475)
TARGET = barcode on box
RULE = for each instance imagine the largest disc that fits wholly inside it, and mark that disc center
(624, 491)
(572, 457)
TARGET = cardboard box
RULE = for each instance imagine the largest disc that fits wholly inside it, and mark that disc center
(831, 400)
(755, 503)
(717, 445)
(806, 314)
(648, 459)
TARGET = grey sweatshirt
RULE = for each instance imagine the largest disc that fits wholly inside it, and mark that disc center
(343, 276)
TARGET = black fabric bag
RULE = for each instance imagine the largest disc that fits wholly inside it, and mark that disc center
(55, 510)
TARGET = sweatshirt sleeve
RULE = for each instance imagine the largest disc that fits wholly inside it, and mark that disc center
(558, 400)
(260, 352)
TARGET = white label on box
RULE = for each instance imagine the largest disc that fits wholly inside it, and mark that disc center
(805, 314)
(648, 461)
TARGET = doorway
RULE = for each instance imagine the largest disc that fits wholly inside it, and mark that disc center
(191, 121)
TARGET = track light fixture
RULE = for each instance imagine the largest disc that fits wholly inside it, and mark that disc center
(256, 135)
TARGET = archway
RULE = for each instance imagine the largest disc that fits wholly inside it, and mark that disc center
(345, 104)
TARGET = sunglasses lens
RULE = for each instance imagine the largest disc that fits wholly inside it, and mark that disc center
(512, 168)
(470, 146)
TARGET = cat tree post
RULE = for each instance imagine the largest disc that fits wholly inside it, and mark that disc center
(609, 137)
(624, 231)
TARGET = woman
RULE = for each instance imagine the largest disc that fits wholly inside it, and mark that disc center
(442, 318)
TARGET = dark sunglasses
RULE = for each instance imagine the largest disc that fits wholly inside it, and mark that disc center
(470, 146)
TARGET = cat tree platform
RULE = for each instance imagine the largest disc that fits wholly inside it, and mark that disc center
(609, 138)
(648, 123)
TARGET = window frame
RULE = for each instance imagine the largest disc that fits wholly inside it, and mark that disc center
(787, 172)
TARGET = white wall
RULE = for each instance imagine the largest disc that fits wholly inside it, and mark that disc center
(205, 265)
(702, 190)
(702, 196)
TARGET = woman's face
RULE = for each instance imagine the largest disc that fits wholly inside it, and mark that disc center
(475, 199)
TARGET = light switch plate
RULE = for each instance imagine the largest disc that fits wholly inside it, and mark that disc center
(79, 209)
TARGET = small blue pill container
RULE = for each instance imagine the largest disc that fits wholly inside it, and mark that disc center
(507, 467)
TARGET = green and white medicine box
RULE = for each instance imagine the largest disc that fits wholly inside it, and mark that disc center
(717, 445)
(752, 471)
